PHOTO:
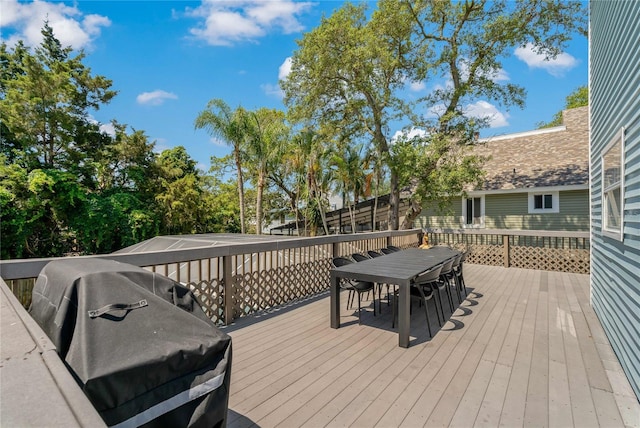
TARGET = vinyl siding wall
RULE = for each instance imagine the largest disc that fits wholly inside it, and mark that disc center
(510, 211)
(615, 103)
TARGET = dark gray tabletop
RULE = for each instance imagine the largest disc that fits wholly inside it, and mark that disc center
(396, 268)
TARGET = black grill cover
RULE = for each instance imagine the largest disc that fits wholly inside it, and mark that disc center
(138, 343)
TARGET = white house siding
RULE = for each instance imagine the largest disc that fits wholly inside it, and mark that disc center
(615, 102)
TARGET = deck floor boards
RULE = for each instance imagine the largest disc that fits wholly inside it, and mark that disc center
(524, 349)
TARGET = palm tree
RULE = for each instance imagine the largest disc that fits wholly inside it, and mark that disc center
(348, 167)
(373, 179)
(317, 175)
(265, 135)
(227, 125)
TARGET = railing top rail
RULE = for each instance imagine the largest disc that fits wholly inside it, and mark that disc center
(30, 268)
(510, 232)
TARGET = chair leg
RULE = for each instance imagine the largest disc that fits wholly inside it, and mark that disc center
(426, 312)
(374, 302)
(450, 295)
(436, 291)
(458, 286)
(350, 299)
(445, 282)
(359, 310)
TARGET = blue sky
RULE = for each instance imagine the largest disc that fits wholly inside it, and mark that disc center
(167, 59)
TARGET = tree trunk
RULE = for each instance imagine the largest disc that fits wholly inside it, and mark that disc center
(414, 210)
(394, 204)
(259, 192)
(240, 189)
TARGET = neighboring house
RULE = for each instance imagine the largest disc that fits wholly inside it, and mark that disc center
(534, 180)
(614, 81)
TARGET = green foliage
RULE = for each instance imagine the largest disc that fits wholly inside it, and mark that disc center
(349, 74)
(65, 187)
(221, 122)
(578, 98)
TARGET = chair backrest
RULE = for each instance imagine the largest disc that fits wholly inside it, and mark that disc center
(386, 251)
(359, 257)
(373, 253)
(340, 261)
(431, 275)
(456, 261)
(394, 248)
(446, 267)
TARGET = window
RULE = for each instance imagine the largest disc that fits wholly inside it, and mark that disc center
(473, 212)
(544, 202)
(612, 186)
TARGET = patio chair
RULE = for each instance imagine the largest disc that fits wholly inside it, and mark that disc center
(373, 254)
(422, 289)
(458, 272)
(359, 257)
(453, 275)
(355, 287)
(443, 284)
(386, 250)
(394, 248)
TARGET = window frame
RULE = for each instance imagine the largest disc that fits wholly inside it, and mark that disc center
(612, 232)
(555, 202)
(480, 225)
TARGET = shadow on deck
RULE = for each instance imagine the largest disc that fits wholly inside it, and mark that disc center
(525, 348)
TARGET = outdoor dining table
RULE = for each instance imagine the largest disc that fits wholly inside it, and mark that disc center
(399, 268)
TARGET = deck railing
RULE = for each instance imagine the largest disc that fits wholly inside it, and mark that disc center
(534, 249)
(236, 280)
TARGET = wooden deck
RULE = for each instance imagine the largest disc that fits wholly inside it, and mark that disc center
(525, 349)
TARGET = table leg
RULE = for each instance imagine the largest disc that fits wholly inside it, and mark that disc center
(404, 315)
(335, 301)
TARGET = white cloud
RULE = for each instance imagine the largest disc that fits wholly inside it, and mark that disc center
(556, 67)
(499, 75)
(480, 110)
(155, 98)
(273, 90)
(484, 110)
(404, 134)
(25, 20)
(108, 128)
(417, 86)
(285, 69)
(160, 145)
(226, 23)
(217, 142)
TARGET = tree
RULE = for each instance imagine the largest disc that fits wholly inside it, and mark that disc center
(49, 143)
(348, 74)
(46, 100)
(221, 122)
(265, 133)
(350, 177)
(346, 77)
(465, 42)
(181, 191)
(578, 98)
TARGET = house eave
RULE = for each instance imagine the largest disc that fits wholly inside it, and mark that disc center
(566, 188)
